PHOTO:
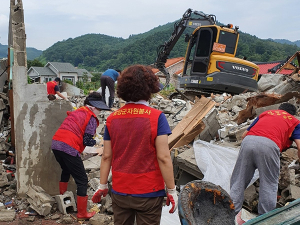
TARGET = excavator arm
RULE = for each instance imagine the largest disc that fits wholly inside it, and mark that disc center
(192, 19)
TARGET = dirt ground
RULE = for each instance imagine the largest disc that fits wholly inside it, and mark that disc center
(22, 219)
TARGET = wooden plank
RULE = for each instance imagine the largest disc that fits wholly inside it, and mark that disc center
(186, 139)
(177, 132)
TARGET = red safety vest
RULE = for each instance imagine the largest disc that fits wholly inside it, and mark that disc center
(133, 130)
(50, 87)
(72, 129)
(277, 125)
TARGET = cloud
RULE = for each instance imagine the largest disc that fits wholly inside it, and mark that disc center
(47, 22)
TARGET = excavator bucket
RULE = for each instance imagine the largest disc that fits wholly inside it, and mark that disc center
(202, 202)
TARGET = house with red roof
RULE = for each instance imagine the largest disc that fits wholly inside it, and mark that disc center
(272, 67)
(285, 67)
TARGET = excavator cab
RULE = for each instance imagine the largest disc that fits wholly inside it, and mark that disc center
(210, 64)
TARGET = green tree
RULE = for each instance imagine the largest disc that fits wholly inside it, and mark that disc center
(85, 77)
(96, 76)
(34, 62)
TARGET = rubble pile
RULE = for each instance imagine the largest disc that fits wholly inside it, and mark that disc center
(220, 119)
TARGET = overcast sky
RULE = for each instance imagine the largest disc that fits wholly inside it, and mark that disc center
(50, 21)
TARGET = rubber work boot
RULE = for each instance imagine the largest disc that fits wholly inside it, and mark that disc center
(81, 208)
(63, 186)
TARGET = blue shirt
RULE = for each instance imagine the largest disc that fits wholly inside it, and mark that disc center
(112, 74)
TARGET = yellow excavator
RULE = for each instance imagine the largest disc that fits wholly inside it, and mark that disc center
(210, 64)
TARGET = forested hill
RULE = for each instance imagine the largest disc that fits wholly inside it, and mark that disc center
(32, 53)
(97, 52)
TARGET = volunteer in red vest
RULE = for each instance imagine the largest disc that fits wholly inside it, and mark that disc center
(270, 133)
(136, 149)
(52, 89)
(69, 141)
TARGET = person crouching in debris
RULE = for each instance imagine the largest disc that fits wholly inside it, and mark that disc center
(136, 148)
(269, 134)
(53, 89)
(76, 132)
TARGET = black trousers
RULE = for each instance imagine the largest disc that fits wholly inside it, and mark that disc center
(72, 165)
(110, 83)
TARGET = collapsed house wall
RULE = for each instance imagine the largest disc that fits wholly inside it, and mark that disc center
(35, 118)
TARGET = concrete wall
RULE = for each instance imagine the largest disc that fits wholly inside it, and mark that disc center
(36, 121)
(35, 118)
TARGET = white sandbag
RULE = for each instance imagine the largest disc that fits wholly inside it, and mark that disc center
(217, 163)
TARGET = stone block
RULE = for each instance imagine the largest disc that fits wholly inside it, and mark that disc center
(42, 210)
(94, 183)
(108, 204)
(66, 201)
(250, 194)
(7, 215)
(212, 127)
(39, 200)
(100, 219)
(3, 179)
(235, 134)
(291, 193)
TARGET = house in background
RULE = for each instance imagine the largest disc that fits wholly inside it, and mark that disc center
(272, 67)
(285, 67)
(65, 71)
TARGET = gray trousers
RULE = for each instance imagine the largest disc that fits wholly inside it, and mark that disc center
(256, 153)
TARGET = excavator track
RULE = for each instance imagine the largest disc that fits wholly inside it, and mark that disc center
(189, 94)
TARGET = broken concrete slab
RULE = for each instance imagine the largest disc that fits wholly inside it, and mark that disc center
(39, 200)
(187, 168)
(92, 163)
(100, 219)
(3, 177)
(235, 133)
(269, 81)
(286, 86)
(250, 195)
(7, 215)
(210, 132)
(291, 193)
(94, 183)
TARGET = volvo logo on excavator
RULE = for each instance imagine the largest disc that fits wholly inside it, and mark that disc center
(239, 68)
